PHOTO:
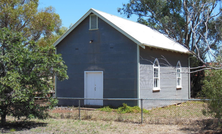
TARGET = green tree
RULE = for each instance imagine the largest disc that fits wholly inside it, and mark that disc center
(25, 71)
(45, 41)
(23, 16)
(212, 90)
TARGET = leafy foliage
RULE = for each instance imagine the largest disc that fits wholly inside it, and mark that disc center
(45, 41)
(124, 109)
(25, 71)
(212, 90)
(23, 16)
(127, 109)
(106, 109)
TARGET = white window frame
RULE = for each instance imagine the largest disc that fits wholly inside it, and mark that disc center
(90, 26)
(157, 87)
(178, 75)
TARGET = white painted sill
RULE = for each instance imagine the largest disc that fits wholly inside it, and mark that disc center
(94, 29)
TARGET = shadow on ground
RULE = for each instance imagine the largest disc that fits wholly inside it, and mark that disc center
(204, 126)
(20, 126)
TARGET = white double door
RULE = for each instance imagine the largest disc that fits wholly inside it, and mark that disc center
(93, 87)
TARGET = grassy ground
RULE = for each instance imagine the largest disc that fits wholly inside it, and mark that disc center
(185, 113)
(184, 118)
(92, 127)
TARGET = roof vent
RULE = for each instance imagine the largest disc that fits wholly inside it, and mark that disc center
(93, 22)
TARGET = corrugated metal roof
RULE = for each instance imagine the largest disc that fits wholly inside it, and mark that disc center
(141, 34)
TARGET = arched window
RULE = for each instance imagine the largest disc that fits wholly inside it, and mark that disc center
(156, 75)
(178, 75)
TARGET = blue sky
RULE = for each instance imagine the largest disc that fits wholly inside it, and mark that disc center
(70, 11)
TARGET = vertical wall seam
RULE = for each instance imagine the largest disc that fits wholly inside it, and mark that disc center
(189, 87)
(138, 74)
(55, 78)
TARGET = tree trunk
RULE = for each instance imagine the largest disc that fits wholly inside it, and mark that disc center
(3, 118)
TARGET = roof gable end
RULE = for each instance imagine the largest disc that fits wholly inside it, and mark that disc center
(140, 34)
(93, 11)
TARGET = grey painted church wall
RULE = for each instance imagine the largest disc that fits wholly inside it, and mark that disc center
(116, 55)
(110, 52)
(167, 76)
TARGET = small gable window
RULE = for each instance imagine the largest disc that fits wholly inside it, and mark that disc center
(156, 75)
(178, 75)
(93, 22)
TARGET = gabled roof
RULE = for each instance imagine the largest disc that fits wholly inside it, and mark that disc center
(141, 34)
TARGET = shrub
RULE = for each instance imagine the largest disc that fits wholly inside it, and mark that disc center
(127, 109)
(212, 90)
(106, 109)
(124, 109)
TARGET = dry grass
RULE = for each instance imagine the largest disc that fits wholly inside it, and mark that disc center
(185, 113)
(184, 118)
(68, 126)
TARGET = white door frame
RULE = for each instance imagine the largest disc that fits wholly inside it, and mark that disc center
(85, 73)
